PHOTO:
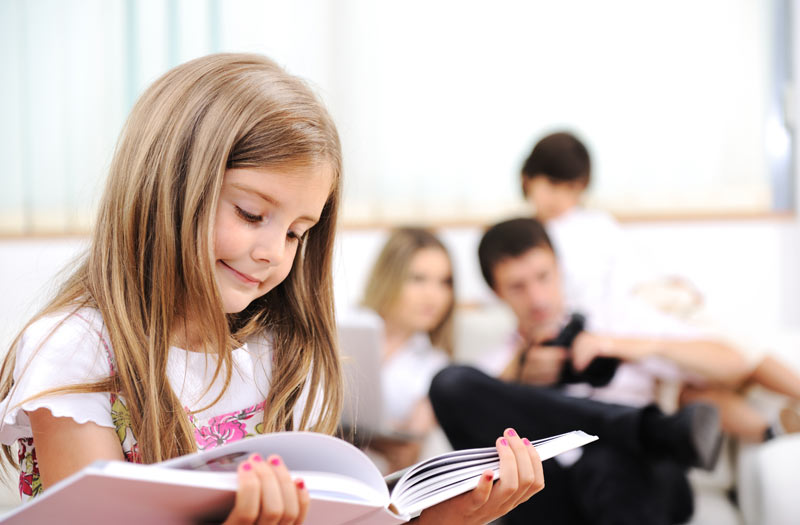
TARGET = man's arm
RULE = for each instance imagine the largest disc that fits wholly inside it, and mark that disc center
(713, 360)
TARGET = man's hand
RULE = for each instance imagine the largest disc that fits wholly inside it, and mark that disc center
(542, 365)
(588, 346)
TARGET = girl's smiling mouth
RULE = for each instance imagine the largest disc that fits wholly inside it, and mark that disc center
(243, 277)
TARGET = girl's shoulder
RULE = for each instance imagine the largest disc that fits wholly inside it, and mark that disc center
(74, 322)
(57, 332)
(59, 350)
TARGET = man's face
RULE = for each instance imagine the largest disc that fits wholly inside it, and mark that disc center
(531, 285)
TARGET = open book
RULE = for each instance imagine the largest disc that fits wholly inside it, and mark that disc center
(344, 484)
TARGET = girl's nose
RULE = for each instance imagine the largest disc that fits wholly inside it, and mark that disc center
(270, 247)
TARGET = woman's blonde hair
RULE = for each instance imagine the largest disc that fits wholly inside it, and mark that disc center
(390, 274)
(150, 263)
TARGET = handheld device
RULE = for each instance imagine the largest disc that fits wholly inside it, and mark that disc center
(599, 372)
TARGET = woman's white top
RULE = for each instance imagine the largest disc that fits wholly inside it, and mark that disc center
(71, 349)
(406, 376)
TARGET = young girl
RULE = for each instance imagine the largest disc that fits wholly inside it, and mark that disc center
(203, 310)
(411, 289)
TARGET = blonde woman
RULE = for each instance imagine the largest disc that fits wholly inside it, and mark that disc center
(203, 312)
(411, 289)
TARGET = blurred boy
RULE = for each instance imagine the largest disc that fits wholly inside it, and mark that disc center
(597, 261)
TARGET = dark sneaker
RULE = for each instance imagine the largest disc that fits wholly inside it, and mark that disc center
(700, 423)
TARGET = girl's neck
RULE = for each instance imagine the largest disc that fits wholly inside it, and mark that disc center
(186, 335)
(395, 337)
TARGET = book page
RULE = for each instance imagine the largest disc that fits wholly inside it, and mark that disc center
(446, 476)
(300, 451)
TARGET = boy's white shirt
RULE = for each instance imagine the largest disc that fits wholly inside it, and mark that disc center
(597, 261)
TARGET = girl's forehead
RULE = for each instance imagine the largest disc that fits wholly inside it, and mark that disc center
(292, 175)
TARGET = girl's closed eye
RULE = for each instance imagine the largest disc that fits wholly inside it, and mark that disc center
(247, 216)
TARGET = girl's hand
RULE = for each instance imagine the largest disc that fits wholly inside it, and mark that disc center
(521, 477)
(267, 494)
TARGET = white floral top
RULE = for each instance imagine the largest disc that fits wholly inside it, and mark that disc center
(74, 349)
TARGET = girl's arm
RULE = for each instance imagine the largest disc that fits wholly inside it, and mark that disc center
(64, 446)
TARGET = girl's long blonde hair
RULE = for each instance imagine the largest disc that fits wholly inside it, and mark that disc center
(150, 261)
(390, 273)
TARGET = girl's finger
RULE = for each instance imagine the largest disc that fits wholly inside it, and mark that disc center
(538, 471)
(303, 500)
(271, 495)
(505, 488)
(248, 497)
(480, 494)
(291, 508)
(525, 473)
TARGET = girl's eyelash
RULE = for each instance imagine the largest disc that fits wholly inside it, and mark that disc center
(249, 217)
(252, 218)
(296, 236)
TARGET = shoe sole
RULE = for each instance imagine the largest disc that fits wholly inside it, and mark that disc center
(706, 435)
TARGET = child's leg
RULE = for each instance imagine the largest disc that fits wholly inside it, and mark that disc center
(738, 418)
(776, 376)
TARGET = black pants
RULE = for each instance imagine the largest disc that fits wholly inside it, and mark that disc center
(616, 481)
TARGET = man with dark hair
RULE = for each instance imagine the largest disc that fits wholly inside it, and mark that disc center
(556, 378)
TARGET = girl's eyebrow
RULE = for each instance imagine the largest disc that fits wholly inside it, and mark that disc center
(271, 200)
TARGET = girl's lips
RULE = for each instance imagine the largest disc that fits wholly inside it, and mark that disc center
(241, 276)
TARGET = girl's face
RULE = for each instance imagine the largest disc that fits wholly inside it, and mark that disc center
(263, 214)
(427, 293)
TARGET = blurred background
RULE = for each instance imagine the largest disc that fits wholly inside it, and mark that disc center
(688, 109)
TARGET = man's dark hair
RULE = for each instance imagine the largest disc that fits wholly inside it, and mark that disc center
(510, 239)
(560, 157)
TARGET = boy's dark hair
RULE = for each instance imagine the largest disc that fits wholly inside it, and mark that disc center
(560, 157)
(510, 239)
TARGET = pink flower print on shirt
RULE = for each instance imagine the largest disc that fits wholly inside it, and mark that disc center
(218, 433)
(133, 455)
(30, 484)
(224, 428)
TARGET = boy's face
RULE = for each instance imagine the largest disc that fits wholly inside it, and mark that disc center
(261, 216)
(531, 286)
(550, 199)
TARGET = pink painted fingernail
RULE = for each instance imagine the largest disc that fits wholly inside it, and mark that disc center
(504, 442)
(300, 484)
(275, 461)
(511, 432)
(525, 440)
(489, 477)
(256, 458)
(247, 466)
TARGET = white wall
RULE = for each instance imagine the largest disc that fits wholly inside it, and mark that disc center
(748, 270)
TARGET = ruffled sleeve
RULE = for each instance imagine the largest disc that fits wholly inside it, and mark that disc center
(55, 351)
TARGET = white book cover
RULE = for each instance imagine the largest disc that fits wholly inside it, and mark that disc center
(346, 488)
